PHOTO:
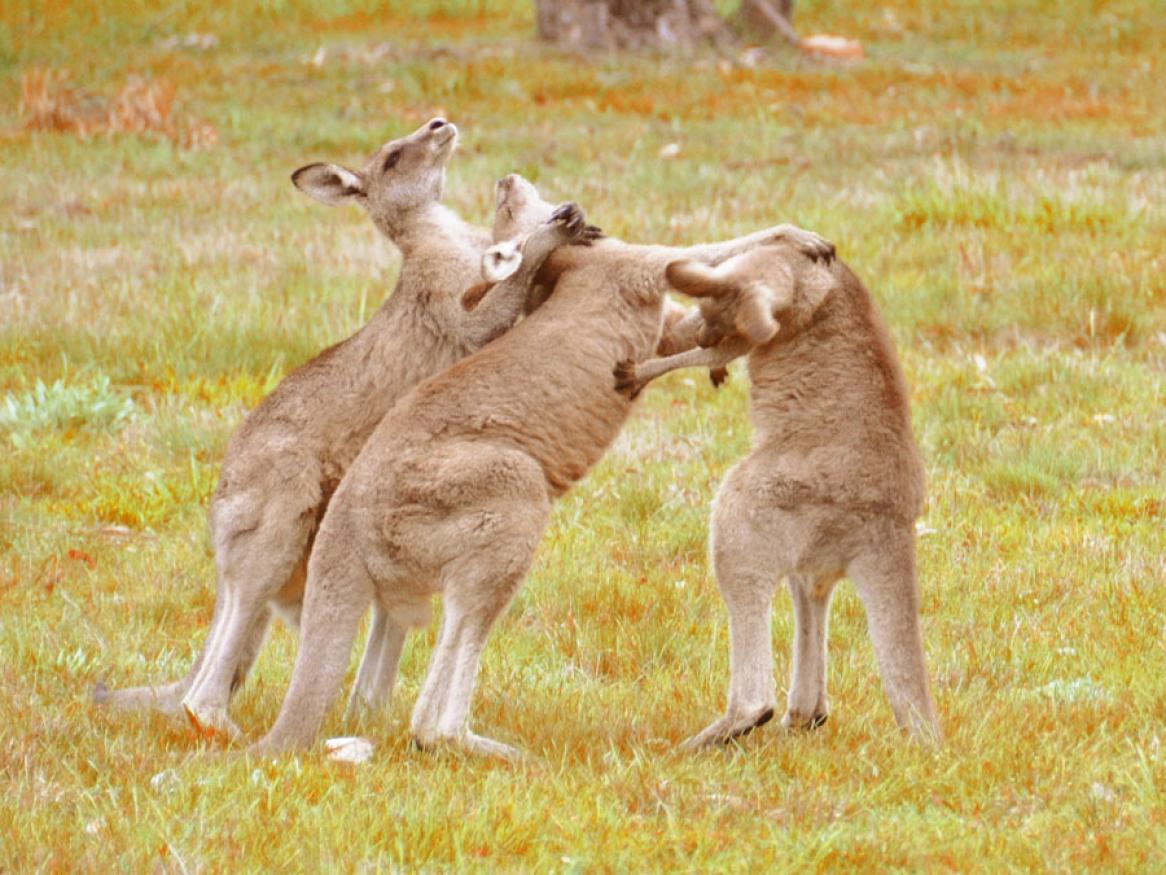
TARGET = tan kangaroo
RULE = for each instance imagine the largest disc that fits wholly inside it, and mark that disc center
(285, 461)
(831, 488)
(452, 491)
(519, 258)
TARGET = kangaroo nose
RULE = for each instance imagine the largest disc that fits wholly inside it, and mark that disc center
(437, 124)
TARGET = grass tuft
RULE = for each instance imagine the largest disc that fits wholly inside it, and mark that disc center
(95, 405)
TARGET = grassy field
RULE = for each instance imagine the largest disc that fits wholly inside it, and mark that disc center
(995, 170)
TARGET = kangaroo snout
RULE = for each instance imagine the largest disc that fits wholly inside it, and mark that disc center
(514, 191)
(440, 131)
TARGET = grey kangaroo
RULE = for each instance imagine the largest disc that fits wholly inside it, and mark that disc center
(284, 463)
(831, 488)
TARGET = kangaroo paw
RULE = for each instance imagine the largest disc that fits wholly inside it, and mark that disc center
(590, 234)
(625, 378)
(212, 724)
(571, 217)
(811, 245)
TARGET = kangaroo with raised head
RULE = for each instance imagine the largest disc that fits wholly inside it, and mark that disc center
(831, 488)
(286, 460)
(452, 491)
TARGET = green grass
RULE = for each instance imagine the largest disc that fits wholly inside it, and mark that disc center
(994, 170)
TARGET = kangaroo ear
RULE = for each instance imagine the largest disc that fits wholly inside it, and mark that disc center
(501, 260)
(330, 183)
(754, 318)
(697, 280)
(474, 294)
(817, 285)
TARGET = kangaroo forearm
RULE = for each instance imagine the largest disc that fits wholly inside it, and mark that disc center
(680, 334)
(497, 312)
(714, 253)
(714, 357)
(501, 307)
(538, 246)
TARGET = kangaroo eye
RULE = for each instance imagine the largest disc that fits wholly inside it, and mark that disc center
(391, 160)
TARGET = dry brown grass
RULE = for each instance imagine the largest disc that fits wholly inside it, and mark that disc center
(142, 107)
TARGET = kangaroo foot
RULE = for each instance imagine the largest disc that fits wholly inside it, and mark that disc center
(468, 742)
(733, 725)
(797, 721)
(212, 723)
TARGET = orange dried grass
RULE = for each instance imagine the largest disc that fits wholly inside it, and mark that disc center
(142, 107)
(50, 103)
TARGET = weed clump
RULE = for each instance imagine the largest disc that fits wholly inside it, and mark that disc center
(97, 404)
(142, 107)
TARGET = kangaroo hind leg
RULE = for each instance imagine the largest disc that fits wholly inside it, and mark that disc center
(477, 587)
(885, 577)
(378, 668)
(165, 698)
(255, 570)
(749, 562)
(338, 594)
(809, 705)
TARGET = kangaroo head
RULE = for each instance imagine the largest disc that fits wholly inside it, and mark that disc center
(401, 176)
(519, 208)
(520, 212)
(735, 298)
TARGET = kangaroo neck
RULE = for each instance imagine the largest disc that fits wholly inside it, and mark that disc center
(417, 229)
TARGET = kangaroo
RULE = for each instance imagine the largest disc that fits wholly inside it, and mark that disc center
(286, 460)
(452, 491)
(831, 488)
(518, 258)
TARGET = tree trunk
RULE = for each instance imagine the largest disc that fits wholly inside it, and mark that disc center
(633, 24)
(767, 19)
